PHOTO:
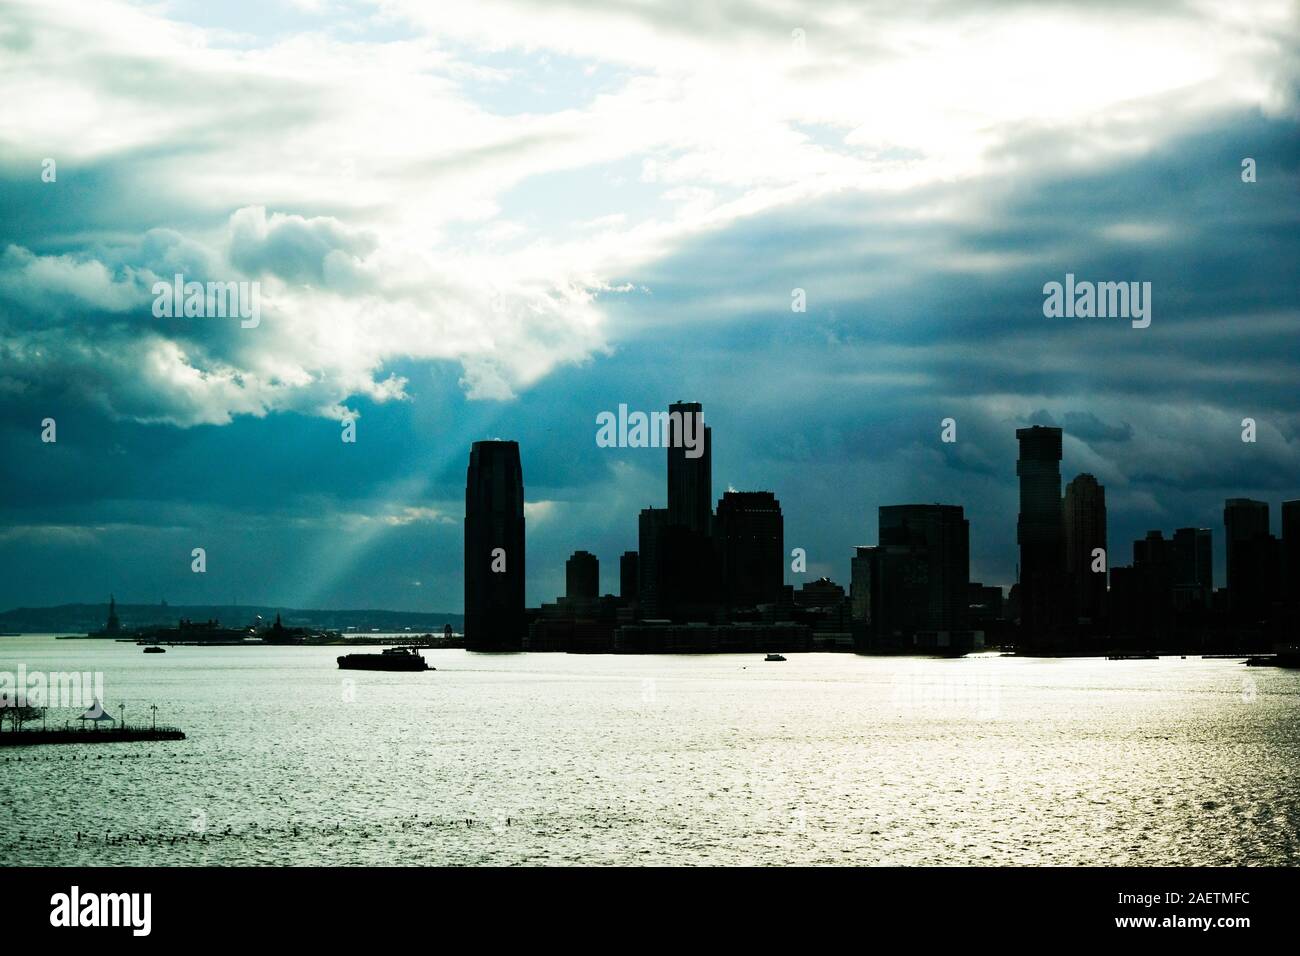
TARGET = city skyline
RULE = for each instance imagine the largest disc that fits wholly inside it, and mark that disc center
(1076, 591)
(1273, 517)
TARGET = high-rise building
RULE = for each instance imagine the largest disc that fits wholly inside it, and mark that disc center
(1153, 576)
(687, 561)
(860, 578)
(690, 467)
(888, 593)
(1193, 568)
(494, 547)
(582, 577)
(651, 528)
(1251, 555)
(751, 548)
(1124, 603)
(689, 589)
(1084, 516)
(628, 577)
(1040, 533)
(1291, 551)
(912, 589)
(943, 534)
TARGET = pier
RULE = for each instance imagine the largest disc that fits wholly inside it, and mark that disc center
(79, 735)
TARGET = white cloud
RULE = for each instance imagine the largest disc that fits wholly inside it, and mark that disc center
(395, 210)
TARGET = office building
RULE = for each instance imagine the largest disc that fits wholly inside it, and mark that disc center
(582, 577)
(1040, 534)
(690, 468)
(651, 528)
(1291, 552)
(751, 548)
(494, 547)
(1193, 568)
(1084, 518)
(1252, 559)
(628, 577)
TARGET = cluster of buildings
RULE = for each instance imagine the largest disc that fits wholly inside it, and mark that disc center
(706, 575)
(710, 576)
(1071, 595)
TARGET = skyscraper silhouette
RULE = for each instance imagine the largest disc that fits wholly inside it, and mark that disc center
(1252, 554)
(1291, 552)
(1084, 514)
(582, 577)
(651, 526)
(629, 583)
(943, 533)
(751, 548)
(911, 590)
(1040, 533)
(1193, 567)
(690, 480)
(686, 566)
(889, 588)
(1153, 579)
(494, 547)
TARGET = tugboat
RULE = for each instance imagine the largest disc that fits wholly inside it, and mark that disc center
(774, 657)
(390, 659)
(155, 649)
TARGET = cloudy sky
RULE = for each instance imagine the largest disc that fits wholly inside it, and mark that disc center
(497, 219)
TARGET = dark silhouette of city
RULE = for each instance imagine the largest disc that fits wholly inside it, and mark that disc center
(710, 578)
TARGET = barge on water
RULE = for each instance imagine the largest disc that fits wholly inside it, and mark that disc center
(391, 659)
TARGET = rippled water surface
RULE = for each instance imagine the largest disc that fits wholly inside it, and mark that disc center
(552, 758)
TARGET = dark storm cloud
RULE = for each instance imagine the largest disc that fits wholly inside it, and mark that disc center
(1084, 425)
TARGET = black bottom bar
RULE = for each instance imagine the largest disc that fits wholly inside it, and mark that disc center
(332, 906)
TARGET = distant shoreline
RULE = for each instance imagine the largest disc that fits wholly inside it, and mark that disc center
(458, 643)
(85, 618)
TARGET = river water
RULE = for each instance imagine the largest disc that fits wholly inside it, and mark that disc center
(721, 759)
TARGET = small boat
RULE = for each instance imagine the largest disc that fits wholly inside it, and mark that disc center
(155, 649)
(390, 659)
(774, 657)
